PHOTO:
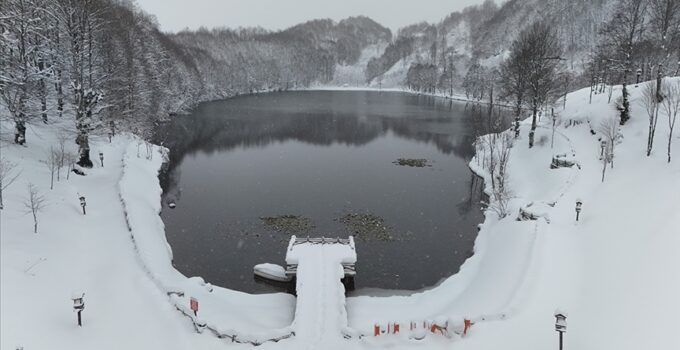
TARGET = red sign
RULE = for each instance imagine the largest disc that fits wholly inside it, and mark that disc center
(193, 302)
(467, 324)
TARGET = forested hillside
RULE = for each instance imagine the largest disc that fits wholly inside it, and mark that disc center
(106, 64)
(477, 39)
(244, 60)
(102, 63)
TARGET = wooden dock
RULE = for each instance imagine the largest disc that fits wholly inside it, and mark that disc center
(320, 267)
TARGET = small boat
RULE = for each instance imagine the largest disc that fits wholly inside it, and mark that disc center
(272, 272)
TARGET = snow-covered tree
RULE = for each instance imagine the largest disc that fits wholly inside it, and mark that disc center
(20, 70)
(538, 50)
(621, 39)
(514, 76)
(609, 128)
(82, 23)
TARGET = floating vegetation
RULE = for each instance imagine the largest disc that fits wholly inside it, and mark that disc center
(290, 224)
(412, 162)
(366, 226)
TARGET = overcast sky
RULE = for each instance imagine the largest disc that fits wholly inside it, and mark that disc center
(174, 15)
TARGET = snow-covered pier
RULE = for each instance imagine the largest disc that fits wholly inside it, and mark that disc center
(349, 266)
(319, 265)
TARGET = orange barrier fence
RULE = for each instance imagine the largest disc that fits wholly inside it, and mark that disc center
(433, 326)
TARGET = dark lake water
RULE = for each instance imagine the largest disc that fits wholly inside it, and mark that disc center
(321, 155)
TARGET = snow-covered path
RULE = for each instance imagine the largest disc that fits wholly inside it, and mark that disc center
(320, 315)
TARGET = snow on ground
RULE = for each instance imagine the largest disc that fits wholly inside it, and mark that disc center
(89, 253)
(616, 271)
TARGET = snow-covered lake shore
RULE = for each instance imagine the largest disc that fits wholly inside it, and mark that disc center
(615, 268)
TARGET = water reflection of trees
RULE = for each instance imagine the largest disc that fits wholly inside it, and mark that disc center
(451, 127)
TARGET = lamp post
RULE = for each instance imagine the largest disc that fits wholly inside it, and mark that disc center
(82, 203)
(78, 305)
(579, 203)
(101, 158)
(560, 324)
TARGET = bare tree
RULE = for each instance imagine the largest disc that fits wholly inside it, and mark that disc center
(651, 104)
(671, 104)
(620, 36)
(501, 195)
(514, 75)
(34, 204)
(70, 160)
(61, 154)
(609, 128)
(500, 202)
(499, 146)
(8, 175)
(533, 69)
(19, 29)
(504, 147)
(665, 24)
(52, 164)
(82, 23)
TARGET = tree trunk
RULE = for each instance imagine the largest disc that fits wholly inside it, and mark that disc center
(670, 138)
(650, 136)
(43, 99)
(533, 123)
(83, 139)
(659, 96)
(625, 105)
(60, 95)
(20, 131)
(84, 150)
